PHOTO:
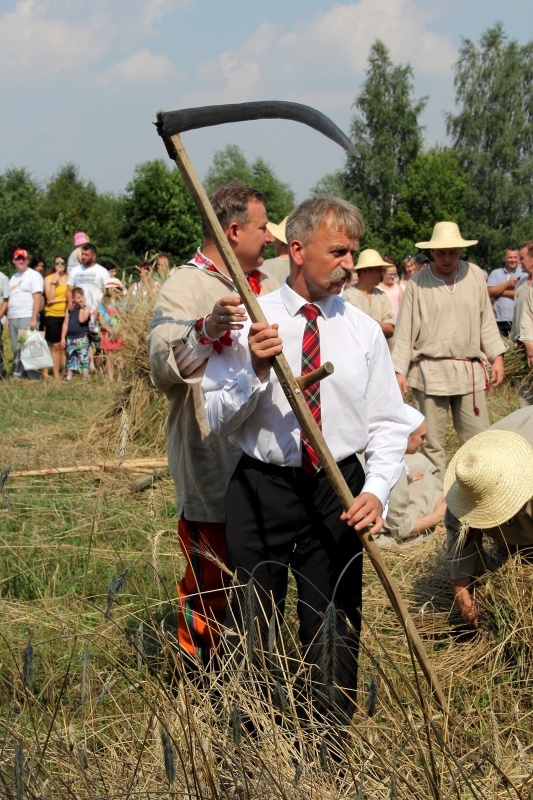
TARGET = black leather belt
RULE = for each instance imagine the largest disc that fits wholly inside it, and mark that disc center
(288, 472)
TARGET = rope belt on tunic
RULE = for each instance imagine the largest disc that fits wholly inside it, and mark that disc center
(473, 361)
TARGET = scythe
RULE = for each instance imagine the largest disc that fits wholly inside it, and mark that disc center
(169, 126)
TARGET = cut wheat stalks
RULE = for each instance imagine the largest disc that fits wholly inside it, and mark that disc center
(136, 465)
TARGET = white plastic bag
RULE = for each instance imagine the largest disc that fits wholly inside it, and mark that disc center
(34, 353)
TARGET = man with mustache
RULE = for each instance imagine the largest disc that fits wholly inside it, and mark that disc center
(194, 311)
(281, 510)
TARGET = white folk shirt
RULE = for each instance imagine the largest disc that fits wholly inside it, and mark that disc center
(361, 406)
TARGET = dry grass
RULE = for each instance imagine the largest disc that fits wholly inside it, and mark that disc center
(97, 703)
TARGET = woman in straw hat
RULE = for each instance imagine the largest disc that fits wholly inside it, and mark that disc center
(366, 296)
(489, 490)
(444, 332)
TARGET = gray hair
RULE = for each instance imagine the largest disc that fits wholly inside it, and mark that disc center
(309, 215)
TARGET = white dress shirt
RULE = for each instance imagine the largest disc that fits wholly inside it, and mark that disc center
(361, 405)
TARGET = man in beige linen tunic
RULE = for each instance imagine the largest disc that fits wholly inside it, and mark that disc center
(195, 309)
(444, 330)
(366, 296)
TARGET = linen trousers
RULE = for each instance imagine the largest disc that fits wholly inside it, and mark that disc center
(466, 422)
(292, 521)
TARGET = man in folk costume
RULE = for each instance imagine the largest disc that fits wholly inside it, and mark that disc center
(444, 332)
(489, 490)
(366, 296)
(194, 312)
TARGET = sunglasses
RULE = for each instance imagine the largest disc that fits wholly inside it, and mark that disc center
(20, 258)
(59, 261)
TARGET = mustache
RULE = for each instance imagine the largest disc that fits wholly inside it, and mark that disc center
(340, 274)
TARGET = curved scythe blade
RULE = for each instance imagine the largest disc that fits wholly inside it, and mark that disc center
(187, 119)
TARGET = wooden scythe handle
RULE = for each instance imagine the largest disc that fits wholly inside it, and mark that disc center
(294, 395)
(307, 380)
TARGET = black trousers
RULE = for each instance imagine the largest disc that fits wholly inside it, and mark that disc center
(280, 515)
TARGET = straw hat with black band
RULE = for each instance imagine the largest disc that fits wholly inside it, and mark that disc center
(445, 236)
(490, 478)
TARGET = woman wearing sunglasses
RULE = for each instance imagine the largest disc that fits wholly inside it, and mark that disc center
(55, 292)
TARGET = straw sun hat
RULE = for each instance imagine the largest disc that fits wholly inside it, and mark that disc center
(446, 235)
(370, 258)
(490, 478)
(278, 231)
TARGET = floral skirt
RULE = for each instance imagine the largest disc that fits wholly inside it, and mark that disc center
(78, 354)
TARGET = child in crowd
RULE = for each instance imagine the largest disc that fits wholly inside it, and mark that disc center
(109, 322)
(75, 335)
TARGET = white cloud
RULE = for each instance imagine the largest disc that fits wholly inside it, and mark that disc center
(327, 52)
(34, 46)
(141, 68)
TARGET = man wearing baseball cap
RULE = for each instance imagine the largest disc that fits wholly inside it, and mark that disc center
(489, 490)
(24, 302)
(444, 332)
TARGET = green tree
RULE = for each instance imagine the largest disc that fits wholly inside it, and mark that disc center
(387, 135)
(19, 220)
(70, 204)
(433, 189)
(493, 134)
(159, 213)
(231, 163)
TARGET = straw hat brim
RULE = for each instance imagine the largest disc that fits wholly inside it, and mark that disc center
(368, 259)
(445, 244)
(278, 231)
(499, 465)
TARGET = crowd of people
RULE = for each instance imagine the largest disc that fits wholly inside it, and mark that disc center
(77, 305)
(250, 488)
(411, 343)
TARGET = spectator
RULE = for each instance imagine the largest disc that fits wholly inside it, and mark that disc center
(109, 321)
(4, 294)
(391, 286)
(277, 268)
(408, 268)
(55, 292)
(501, 286)
(24, 304)
(92, 277)
(146, 286)
(75, 335)
(74, 259)
(366, 296)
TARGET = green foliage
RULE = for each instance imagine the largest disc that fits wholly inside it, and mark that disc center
(70, 204)
(160, 214)
(19, 223)
(231, 163)
(388, 138)
(493, 135)
(433, 189)
(331, 184)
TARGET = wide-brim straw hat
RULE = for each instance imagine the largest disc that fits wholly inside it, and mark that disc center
(446, 235)
(370, 258)
(278, 231)
(490, 478)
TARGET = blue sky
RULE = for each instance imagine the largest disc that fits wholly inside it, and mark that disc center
(81, 81)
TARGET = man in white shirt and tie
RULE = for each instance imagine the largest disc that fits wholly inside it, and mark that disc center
(280, 506)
